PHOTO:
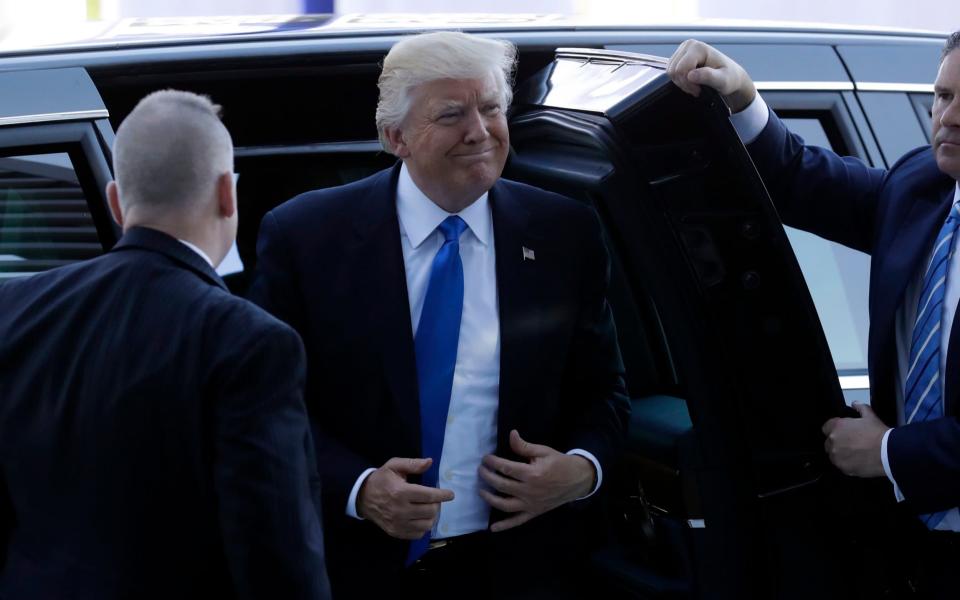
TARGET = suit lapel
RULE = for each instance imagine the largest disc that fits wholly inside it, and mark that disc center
(519, 312)
(951, 384)
(385, 304)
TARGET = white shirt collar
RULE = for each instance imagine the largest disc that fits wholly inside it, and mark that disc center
(419, 216)
(196, 249)
(956, 194)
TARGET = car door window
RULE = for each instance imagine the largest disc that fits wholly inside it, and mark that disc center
(45, 220)
(923, 106)
(838, 277)
(890, 115)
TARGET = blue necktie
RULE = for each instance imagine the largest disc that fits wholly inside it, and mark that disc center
(436, 348)
(923, 394)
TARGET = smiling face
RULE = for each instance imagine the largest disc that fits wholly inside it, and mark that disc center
(454, 139)
(946, 115)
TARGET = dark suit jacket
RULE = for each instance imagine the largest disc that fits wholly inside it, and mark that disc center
(153, 437)
(331, 265)
(893, 215)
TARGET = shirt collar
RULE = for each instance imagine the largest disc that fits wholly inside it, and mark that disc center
(196, 249)
(956, 194)
(419, 216)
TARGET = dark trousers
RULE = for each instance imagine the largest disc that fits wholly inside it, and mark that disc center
(933, 574)
(468, 568)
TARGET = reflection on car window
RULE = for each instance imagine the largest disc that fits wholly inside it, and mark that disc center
(923, 106)
(837, 276)
(44, 218)
(811, 130)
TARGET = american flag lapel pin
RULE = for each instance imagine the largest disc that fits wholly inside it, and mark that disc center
(528, 254)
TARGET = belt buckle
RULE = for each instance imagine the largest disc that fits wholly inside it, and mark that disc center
(437, 544)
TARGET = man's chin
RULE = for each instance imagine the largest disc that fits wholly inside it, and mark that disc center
(948, 159)
(484, 173)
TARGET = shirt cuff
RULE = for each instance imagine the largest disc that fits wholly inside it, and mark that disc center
(596, 466)
(352, 500)
(751, 121)
(886, 466)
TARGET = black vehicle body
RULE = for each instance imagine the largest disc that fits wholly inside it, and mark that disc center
(724, 491)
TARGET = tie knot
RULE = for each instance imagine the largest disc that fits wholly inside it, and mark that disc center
(452, 227)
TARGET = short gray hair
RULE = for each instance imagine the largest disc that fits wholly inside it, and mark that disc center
(953, 42)
(170, 150)
(419, 59)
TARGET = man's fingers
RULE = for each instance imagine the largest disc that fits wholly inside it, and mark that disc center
(830, 425)
(724, 79)
(507, 468)
(499, 482)
(525, 448)
(421, 494)
(863, 409)
(683, 62)
(511, 522)
(414, 530)
(418, 511)
(408, 466)
(689, 57)
(505, 504)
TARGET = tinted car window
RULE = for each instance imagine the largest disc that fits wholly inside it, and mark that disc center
(923, 106)
(44, 218)
(838, 277)
(889, 115)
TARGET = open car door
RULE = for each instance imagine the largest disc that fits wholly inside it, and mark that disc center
(55, 142)
(725, 490)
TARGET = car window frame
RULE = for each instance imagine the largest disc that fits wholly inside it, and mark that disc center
(84, 144)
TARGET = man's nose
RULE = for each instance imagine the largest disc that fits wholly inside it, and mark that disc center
(476, 128)
(951, 114)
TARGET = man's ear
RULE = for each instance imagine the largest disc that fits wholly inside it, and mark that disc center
(394, 135)
(113, 200)
(226, 195)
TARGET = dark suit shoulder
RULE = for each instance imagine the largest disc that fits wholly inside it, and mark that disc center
(918, 174)
(541, 198)
(553, 212)
(249, 320)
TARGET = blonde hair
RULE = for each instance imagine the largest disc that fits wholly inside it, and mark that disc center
(418, 59)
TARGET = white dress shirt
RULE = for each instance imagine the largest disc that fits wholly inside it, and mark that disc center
(749, 123)
(471, 431)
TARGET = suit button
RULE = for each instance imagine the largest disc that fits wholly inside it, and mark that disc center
(448, 475)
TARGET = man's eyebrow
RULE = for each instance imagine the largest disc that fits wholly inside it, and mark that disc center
(937, 89)
(447, 104)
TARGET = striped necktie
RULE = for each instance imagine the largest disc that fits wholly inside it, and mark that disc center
(923, 393)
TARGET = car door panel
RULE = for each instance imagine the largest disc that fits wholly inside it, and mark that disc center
(747, 482)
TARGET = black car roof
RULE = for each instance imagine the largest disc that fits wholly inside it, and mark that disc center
(381, 30)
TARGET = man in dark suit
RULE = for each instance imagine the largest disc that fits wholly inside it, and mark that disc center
(153, 437)
(465, 381)
(906, 219)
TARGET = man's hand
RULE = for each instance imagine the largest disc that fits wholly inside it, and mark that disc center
(403, 510)
(550, 479)
(695, 64)
(853, 445)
